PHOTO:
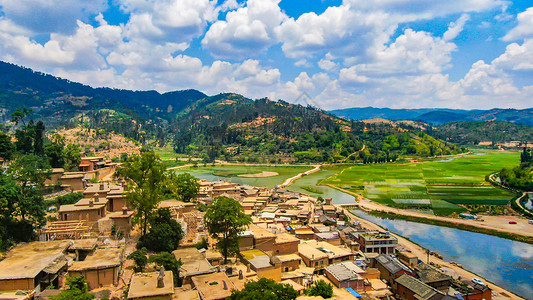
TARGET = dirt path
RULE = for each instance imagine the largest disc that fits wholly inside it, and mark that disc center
(421, 254)
(499, 223)
(291, 180)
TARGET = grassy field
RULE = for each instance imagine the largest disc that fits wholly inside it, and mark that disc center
(437, 185)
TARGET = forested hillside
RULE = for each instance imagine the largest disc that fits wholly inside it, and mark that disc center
(472, 133)
(239, 129)
(56, 100)
(225, 126)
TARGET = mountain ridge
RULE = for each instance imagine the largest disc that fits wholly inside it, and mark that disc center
(438, 116)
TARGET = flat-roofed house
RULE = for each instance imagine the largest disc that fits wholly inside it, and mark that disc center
(311, 250)
(346, 275)
(377, 242)
(194, 263)
(264, 265)
(214, 286)
(33, 266)
(87, 209)
(151, 286)
(102, 268)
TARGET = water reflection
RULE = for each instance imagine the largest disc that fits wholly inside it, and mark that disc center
(507, 263)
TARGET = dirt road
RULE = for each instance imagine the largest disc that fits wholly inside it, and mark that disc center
(291, 180)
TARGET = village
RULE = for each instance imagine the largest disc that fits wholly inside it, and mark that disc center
(293, 239)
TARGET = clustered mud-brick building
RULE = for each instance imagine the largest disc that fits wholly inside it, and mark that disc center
(292, 239)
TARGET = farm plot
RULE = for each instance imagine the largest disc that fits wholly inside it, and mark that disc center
(437, 185)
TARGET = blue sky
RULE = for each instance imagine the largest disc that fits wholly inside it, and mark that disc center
(342, 53)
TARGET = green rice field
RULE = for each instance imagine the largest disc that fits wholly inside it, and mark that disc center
(436, 185)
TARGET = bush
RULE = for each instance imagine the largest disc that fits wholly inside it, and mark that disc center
(266, 289)
(320, 288)
(140, 259)
(77, 290)
(169, 262)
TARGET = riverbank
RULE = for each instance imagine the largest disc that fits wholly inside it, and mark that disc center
(492, 225)
(420, 252)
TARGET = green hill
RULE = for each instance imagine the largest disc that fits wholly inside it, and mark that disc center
(235, 128)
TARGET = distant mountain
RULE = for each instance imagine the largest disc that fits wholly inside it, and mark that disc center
(363, 113)
(472, 133)
(56, 100)
(438, 116)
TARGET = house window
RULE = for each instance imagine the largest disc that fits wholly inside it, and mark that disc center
(321, 262)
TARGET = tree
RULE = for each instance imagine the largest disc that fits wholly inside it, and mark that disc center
(146, 175)
(139, 258)
(225, 219)
(77, 290)
(185, 186)
(265, 289)
(71, 157)
(320, 288)
(165, 233)
(6, 146)
(169, 262)
(30, 172)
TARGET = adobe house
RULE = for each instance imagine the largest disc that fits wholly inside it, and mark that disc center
(321, 254)
(152, 286)
(407, 258)
(264, 265)
(194, 263)
(74, 180)
(312, 257)
(33, 266)
(289, 262)
(121, 219)
(88, 164)
(346, 275)
(214, 286)
(99, 269)
(87, 209)
(82, 248)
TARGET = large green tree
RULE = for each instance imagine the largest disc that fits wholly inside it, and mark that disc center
(225, 219)
(29, 172)
(265, 289)
(71, 157)
(146, 176)
(185, 186)
(164, 234)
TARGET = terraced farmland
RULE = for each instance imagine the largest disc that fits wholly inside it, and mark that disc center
(437, 185)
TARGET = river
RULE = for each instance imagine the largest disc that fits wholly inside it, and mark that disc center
(506, 263)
